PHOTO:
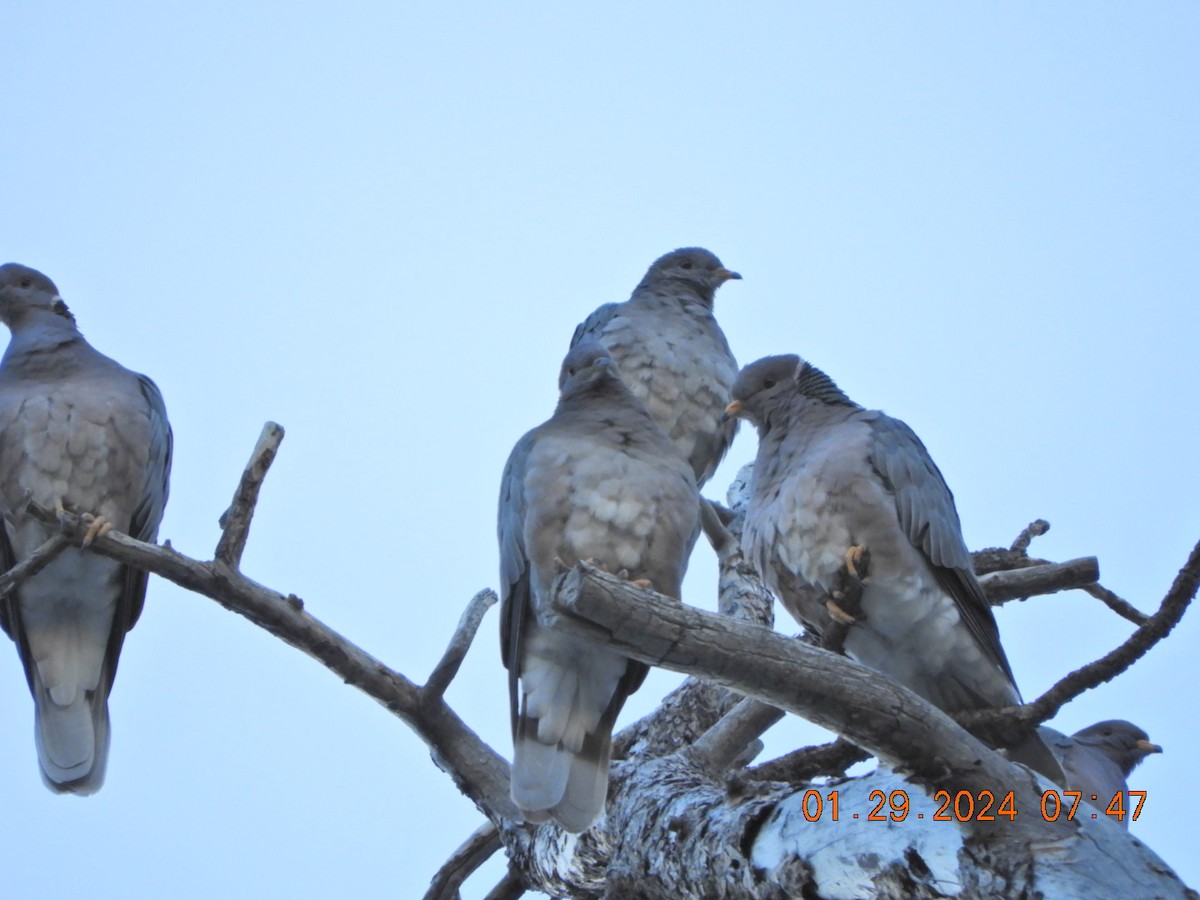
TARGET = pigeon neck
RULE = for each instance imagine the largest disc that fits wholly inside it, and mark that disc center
(592, 393)
(814, 384)
(41, 329)
(676, 289)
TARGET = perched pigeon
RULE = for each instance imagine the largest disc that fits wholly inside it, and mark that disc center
(598, 481)
(672, 353)
(1096, 760)
(80, 431)
(830, 476)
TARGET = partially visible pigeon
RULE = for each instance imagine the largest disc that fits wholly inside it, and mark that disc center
(672, 353)
(77, 430)
(598, 481)
(1098, 759)
(831, 476)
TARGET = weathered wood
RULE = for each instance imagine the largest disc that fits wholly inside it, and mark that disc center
(831, 691)
(34, 563)
(235, 523)
(474, 852)
(1038, 580)
(479, 772)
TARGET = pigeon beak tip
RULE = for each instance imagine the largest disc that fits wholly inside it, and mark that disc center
(1148, 747)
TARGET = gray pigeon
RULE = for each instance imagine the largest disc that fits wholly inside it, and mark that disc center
(1096, 760)
(672, 353)
(77, 430)
(598, 481)
(831, 475)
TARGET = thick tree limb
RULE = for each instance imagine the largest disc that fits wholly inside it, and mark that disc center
(697, 705)
(235, 523)
(765, 841)
(833, 692)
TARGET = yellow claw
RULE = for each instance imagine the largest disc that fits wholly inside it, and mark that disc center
(839, 614)
(855, 556)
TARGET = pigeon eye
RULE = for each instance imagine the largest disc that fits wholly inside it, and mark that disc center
(26, 282)
(769, 383)
(570, 371)
(685, 265)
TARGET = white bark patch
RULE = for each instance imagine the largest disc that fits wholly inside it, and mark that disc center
(849, 854)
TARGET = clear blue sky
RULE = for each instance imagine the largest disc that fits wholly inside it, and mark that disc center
(378, 224)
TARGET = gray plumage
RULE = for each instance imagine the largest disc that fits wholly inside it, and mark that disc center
(79, 429)
(597, 481)
(672, 353)
(1097, 760)
(831, 475)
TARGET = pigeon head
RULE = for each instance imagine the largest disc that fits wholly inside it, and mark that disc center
(1122, 742)
(693, 267)
(763, 386)
(586, 366)
(24, 292)
(768, 385)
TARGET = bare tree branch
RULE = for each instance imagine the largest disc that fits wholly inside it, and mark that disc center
(1036, 528)
(464, 635)
(235, 523)
(510, 887)
(833, 692)
(723, 744)
(37, 560)
(474, 852)
(697, 705)
(1040, 579)
(1157, 627)
(1122, 608)
(479, 772)
(808, 763)
(684, 714)
(671, 825)
(713, 523)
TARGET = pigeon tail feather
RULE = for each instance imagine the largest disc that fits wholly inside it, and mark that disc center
(549, 781)
(72, 740)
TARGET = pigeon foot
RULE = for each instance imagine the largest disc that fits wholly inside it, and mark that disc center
(858, 560)
(97, 526)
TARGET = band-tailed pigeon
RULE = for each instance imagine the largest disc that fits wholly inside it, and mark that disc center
(831, 476)
(1097, 760)
(598, 481)
(80, 430)
(672, 353)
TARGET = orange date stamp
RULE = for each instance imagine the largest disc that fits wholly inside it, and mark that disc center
(974, 806)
